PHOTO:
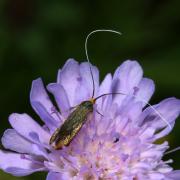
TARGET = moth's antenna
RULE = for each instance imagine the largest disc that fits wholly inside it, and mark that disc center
(140, 99)
(102, 95)
(156, 111)
(86, 51)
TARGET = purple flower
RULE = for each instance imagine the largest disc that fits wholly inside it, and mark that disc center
(118, 145)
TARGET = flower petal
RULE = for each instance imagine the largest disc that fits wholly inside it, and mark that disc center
(168, 108)
(105, 87)
(174, 175)
(87, 78)
(60, 96)
(145, 90)
(13, 163)
(42, 104)
(82, 93)
(58, 176)
(13, 141)
(163, 132)
(69, 77)
(131, 109)
(28, 128)
(53, 176)
(73, 76)
(126, 78)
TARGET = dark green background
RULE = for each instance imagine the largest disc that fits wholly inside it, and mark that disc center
(38, 36)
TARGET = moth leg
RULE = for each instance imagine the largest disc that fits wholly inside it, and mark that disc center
(73, 107)
(99, 113)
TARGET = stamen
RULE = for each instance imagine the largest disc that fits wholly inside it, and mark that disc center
(173, 150)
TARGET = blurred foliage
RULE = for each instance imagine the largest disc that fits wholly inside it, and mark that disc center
(38, 36)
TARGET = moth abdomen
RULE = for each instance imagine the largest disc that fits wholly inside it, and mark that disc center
(72, 125)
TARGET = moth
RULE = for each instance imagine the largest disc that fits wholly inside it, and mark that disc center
(74, 122)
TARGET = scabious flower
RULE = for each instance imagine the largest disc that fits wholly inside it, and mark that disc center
(120, 145)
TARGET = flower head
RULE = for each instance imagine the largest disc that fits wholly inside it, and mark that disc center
(118, 145)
